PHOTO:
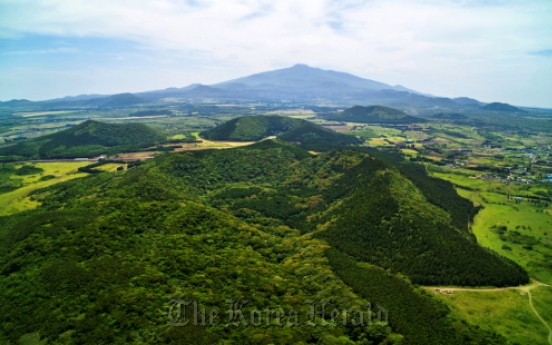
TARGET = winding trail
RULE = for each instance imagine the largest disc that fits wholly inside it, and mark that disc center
(524, 288)
(540, 318)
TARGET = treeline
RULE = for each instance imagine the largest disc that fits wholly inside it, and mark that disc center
(441, 193)
(419, 318)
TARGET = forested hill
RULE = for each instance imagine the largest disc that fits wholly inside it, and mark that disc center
(102, 256)
(374, 114)
(496, 106)
(309, 131)
(87, 139)
(251, 128)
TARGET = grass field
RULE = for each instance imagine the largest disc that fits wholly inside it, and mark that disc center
(494, 186)
(18, 200)
(507, 312)
(542, 300)
(524, 219)
(528, 220)
(111, 167)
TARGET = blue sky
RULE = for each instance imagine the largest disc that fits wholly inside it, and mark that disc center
(490, 50)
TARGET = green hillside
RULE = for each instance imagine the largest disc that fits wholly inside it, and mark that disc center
(309, 131)
(374, 114)
(251, 128)
(102, 257)
(88, 139)
(496, 106)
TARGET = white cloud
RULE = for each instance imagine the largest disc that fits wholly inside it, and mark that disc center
(443, 47)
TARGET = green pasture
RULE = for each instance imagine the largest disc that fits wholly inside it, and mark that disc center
(18, 200)
(507, 312)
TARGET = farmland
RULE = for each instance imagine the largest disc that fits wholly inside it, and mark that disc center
(18, 200)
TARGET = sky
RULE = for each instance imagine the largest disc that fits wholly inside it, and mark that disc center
(491, 50)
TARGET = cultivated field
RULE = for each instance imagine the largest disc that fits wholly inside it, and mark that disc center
(18, 200)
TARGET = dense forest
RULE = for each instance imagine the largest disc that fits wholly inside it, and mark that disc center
(99, 261)
(252, 128)
(404, 304)
(88, 139)
(373, 114)
(309, 131)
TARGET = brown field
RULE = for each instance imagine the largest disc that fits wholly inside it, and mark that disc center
(137, 155)
(338, 128)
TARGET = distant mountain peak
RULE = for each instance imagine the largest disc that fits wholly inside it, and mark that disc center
(300, 65)
(504, 107)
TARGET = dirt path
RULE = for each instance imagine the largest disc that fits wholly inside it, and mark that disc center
(524, 288)
(528, 287)
(540, 318)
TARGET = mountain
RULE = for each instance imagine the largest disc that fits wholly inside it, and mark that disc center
(496, 106)
(407, 99)
(91, 101)
(115, 101)
(107, 259)
(16, 103)
(467, 101)
(374, 114)
(77, 98)
(88, 139)
(171, 92)
(304, 81)
(299, 82)
(252, 128)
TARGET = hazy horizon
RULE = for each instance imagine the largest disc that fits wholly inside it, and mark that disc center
(494, 51)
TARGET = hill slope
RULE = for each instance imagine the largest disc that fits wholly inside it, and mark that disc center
(88, 139)
(449, 116)
(502, 107)
(309, 131)
(252, 128)
(374, 114)
(107, 254)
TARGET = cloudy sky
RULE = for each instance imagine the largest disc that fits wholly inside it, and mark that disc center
(492, 50)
